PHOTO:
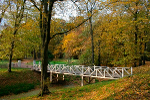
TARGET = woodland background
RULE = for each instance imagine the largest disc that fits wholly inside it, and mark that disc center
(117, 33)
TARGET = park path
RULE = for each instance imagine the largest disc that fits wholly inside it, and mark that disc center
(24, 64)
(33, 92)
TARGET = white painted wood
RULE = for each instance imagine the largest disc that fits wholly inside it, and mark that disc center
(63, 77)
(82, 80)
(19, 63)
(57, 77)
(131, 70)
(122, 72)
(104, 72)
(80, 70)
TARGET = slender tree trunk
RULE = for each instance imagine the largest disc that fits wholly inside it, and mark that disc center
(140, 49)
(11, 51)
(92, 42)
(145, 33)
(125, 58)
(34, 55)
(10, 56)
(99, 55)
(135, 60)
(144, 55)
(0, 20)
(136, 38)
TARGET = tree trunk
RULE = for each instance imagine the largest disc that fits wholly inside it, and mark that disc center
(10, 56)
(135, 60)
(140, 60)
(144, 55)
(44, 87)
(11, 51)
(125, 63)
(99, 55)
(34, 55)
(140, 49)
(45, 19)
(92, 43)
(136, 38)
(18, 19)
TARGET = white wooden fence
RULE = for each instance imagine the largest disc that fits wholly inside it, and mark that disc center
(94, 71)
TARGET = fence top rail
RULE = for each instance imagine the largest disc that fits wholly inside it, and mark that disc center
(82, 66)
(120, 67)
(92, 71)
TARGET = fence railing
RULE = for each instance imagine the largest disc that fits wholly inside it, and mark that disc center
(94, 71)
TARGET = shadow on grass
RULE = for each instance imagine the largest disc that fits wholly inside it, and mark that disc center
(16, 88)
(17, 81)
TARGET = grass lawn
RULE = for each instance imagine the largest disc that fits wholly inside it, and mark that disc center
(56, 61)
(59, 61)
(19, 80)
(134, 88)
(3, 63)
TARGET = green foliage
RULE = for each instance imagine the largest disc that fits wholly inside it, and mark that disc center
(133, 87)
(85, 57)
(19, 80)
(3, 63)
(58, 62)
(50, 56)
(16, 88)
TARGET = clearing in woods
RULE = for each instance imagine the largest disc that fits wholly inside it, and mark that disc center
(133, 87)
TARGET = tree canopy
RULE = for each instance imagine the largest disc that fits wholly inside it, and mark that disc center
(111, 32)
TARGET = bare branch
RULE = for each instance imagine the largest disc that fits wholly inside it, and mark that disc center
(34, 3)
(76, 5)
(61, 33)
(3, 12)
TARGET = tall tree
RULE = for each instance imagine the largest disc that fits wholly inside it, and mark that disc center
(137, 12)
(18, 7)
(46, 7)
(90, 7)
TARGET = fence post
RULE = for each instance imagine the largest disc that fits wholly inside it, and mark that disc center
(57, 77)
(39, 65)
(19, 63)
(122, 72)
(113, 72)
(82, 77)
(131, 70)
(96, 72)
(34, 64)
(63, 77)
(104, 72)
